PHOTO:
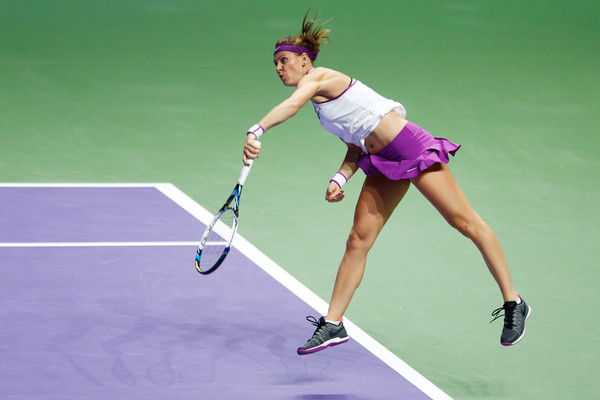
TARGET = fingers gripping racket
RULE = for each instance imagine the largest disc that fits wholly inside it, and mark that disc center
(217, 238)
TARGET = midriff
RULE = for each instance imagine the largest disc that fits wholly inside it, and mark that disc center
(388, 128)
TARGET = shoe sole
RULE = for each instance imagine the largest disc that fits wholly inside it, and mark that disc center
(522, 334)
(329, 343)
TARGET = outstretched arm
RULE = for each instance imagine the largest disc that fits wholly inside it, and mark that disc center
(305, 90)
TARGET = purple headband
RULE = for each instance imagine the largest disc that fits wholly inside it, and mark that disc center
(297, 49)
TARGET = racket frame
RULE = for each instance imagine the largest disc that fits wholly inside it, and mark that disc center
(232, 203)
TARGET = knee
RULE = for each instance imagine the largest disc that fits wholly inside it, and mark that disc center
(468, 225)
(360, 241)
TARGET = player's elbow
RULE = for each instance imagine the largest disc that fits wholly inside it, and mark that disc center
(292, 107)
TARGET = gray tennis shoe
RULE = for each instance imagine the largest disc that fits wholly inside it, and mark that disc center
(326, 335)
(515, 316)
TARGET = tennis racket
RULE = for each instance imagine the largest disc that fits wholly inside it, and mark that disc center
(217, 238)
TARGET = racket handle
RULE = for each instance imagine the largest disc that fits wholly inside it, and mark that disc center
(246, 169)
(245, 172)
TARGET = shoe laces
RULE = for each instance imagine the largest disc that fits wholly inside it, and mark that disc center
(319, 332)
(509, 314)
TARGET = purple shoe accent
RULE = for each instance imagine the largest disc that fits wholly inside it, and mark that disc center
(322, 347)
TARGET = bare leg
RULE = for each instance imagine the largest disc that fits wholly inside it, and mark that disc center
(378, 199)
(439, 186)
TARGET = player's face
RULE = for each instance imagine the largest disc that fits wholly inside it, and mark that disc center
(289, 67)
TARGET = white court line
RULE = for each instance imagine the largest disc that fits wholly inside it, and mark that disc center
(81, 185)
(98, 244)
(264, 262)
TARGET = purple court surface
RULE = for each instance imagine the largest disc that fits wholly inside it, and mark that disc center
(100, 300)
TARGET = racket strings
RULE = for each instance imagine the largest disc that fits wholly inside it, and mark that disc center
(218, 240)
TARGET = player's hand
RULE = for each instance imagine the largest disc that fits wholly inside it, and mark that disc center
(251, 148)
(334, 193)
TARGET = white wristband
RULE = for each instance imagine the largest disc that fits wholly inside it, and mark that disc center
(340, 179)
(257, 130)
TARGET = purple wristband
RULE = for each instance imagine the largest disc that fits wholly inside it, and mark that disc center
(340, 179)
(257, 130)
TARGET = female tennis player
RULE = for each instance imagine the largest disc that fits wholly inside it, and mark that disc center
(393, 153)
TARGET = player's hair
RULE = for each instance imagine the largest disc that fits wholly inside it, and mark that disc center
(311, 36)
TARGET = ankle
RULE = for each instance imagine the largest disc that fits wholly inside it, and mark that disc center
(512, 297)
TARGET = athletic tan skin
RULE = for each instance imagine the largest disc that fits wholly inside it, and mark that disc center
(379, 196)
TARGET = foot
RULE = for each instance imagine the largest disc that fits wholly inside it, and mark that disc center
(515, 316)
(326, 335)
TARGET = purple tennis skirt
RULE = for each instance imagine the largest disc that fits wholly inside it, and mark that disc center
(412, 151)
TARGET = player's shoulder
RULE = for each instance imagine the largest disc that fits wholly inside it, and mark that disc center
(322, 74)
(323, 71)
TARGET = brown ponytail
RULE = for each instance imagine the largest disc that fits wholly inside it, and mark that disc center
(311, 36)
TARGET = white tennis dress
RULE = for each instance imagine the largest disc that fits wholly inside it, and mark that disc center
(355, 113)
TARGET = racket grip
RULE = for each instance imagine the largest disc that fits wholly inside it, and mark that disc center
(246, 169)
(245, 172)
